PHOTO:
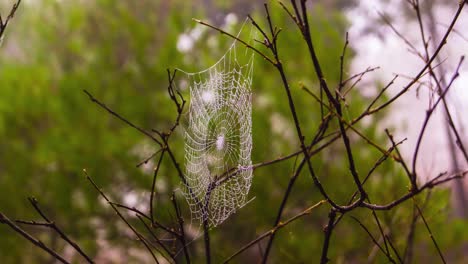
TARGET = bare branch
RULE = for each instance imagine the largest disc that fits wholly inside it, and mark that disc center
(430, 233)
(275, 229)
(116, 210)
(53, 226)
(123, 119)
(4, 220)
(4, 24)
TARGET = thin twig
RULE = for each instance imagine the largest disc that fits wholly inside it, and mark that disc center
(140, 213)
(426, 66)
(206, 219)
(158, 241)
(428, 185)
(237, 39)
(430, 233)
(116, 210)
(394, 248)
(53, 226)
(153, 185)
(4, 24)
(180, 220)
(385, 252)
(145, 161)
(275, 229)
(324, 86)
(4, 220)
(318, 136)
(123, 119)
(429, 113)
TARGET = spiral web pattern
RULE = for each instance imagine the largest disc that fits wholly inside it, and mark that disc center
(218, 140)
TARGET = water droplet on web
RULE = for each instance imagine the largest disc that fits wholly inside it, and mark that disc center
(220, 142)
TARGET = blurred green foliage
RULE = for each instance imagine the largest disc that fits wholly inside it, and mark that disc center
(119, 50)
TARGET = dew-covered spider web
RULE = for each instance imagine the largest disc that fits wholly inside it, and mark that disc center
(218, 138)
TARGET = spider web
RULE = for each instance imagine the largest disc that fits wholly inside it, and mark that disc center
(218, 139)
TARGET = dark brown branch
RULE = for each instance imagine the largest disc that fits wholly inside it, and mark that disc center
(430, 184)
(275, 229)
(237, 39)
(430, 233)
(277, 63)
(206, 234)
(4, 220)
(324, 86)
(379, 162)
(322, 128)
(412, 48)
(394, 248)
(348, 125)
(180, 220)
(178, 100)
(206, 221)
(140, 213)
(385, 252)
(359, 74)
(158, 241)
(33, 223)
(426, 66)
(116, 210)
(301, 21)
(399, 158)
(290, 14)
(279, 67)
(328, 232)
(233, 171)
(54, 227)
(379, 95)
(4, 24)
(382, 233)
(123, 119)
(145, 161)
(428, 116)
(342, 59)
(153, 186)
(408, 253)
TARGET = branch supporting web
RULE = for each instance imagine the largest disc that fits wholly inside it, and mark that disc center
(218, 139)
